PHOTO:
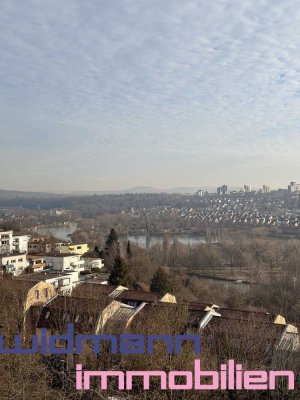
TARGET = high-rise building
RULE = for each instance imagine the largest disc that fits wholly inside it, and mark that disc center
(247, 188)
(222, 190)
(294, 187)
(266, 189)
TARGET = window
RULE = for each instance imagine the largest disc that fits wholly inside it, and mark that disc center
(20, 259)
(46, 293)
(37, 294)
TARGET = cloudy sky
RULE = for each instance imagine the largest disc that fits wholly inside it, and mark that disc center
(110, 94)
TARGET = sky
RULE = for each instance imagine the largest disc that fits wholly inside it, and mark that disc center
(111, 94)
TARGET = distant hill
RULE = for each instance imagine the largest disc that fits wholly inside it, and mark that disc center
(150, 189)
(137, 189)
(147, 189)
(23, 194)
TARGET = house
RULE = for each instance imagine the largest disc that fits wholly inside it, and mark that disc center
(63, 262)
(233, 329)
(73, 248)
(95, 277)
(37, 263)
(20, 243)
(29, 293)
(39, 244)
(40, 239)
(62, 282)
(93, 263)
(87, 315)
(6, 242)
(21, 303)
(230, 335)
(13, 263)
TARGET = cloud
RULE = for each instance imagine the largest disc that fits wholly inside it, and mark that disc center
(146, 82)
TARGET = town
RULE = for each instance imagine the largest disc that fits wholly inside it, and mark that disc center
(111, 286)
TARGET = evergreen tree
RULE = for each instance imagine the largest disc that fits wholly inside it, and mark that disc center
(128, 250)
(112, 249)
(160, 282)
(119, 274)
(112, 239)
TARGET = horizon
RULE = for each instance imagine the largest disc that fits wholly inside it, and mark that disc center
(211, 189)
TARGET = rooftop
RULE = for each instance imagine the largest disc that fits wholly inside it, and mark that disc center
(58, 255)
(12, 254)
(135, 295)
(62, 310)
(41, 276)
(92, 290)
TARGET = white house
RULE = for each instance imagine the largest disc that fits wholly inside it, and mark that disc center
(63, 283)
(20, 243)
(6, 241)
(14, 263)
(64, 262)
(36, 263)
(90, 263)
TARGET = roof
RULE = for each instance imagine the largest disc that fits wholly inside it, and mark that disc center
(245, 315)
(93, 290)
(62, 310)
(73, 244)
(194, 306)
(12, 255)
(41, 276)
(121, 317)
(290, 342)
(96, 278)
(15, 287)
(195, 316)
(138, 296)
(58, 255)
(238, 327)
(22, 285)
(21, 235)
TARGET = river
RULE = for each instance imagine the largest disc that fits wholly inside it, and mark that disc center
(60, 232)
(63, 232)
(148, 241)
